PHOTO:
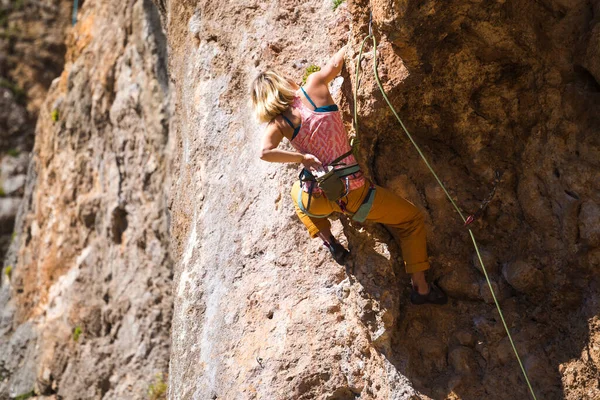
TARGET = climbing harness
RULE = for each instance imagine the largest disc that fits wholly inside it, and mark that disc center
(334, 188)
(466, 221)
(75, 6)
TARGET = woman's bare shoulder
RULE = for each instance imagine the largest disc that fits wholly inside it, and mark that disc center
(317, 89)
(278, 125)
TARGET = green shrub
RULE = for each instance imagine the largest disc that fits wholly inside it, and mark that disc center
(54, 115)
(337, 3)
(158, 389)
(8, 271)
(13, 152)
(77, 332)
(309, 70)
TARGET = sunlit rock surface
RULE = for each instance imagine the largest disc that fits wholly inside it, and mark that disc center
(262, 312)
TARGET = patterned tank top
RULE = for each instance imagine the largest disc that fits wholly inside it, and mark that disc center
(322, 134)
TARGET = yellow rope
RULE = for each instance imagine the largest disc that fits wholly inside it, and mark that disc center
(371, 36)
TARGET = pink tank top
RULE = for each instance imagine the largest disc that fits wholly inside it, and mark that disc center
(323, 135)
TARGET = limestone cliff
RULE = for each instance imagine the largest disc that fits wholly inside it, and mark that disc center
(32, 36)
(85, 296)
(261, 312)
(256, 310)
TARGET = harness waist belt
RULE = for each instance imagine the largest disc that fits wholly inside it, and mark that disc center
(349, 170)
(359, 216)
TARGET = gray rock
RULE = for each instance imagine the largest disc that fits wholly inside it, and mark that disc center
(501, 291)
(463, 361)
(489, 260)
(461, 284)
(465, 338)
(8, 211)
(11, 166)
(523, 276)
(14, 185)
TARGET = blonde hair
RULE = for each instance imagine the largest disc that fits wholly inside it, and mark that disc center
(271, 95)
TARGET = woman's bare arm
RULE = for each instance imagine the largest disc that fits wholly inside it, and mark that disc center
(269, 151)
(332, 69)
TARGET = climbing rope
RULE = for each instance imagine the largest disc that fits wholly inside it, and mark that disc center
(75, 5)
(466, 221)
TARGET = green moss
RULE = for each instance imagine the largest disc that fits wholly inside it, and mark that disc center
(158, 389)
(25, 396)
(54, 115)
(13, 152)
(8, 271)
(309, 70)
(77, 332)
(2, 192)
(337, 3)
(13, 236)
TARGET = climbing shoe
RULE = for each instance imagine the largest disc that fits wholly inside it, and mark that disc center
(338, 252)
(435, 296)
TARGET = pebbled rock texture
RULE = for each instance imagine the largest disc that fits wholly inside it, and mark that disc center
(262, 312)
(85, 300)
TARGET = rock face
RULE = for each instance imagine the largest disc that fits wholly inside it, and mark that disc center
(261, 311)
(85, 298)
(32, 35)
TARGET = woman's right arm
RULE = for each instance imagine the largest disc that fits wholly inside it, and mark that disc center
(271, 153)
(332, 69)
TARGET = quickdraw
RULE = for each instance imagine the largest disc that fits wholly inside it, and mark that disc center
(473, 217)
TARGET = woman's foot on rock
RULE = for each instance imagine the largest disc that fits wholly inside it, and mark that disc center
(434, 296)
(338, 252)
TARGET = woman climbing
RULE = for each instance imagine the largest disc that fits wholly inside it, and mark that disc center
(308, 117)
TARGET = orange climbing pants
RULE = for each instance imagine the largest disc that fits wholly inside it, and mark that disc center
(401, 216)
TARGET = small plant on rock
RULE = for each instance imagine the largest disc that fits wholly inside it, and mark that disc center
(8, 271)
(77, 332)
(54, 115)
(337, 3)
(13, 152)
(309, 70)
(25, 396)
(158, 389)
